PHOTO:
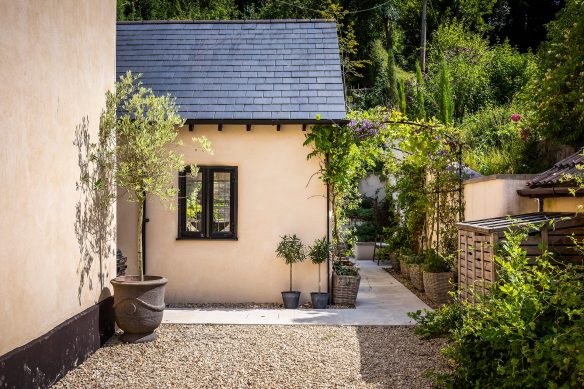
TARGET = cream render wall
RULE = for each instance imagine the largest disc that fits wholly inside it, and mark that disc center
(57, 61)
(278, 193)
(496, 196)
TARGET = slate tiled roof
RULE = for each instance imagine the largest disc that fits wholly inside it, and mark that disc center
(553, 177)
(281, 70)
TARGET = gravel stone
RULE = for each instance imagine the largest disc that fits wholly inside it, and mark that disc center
(264, 356)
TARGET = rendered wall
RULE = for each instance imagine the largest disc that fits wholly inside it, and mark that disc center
(58, 59)
(563, 204)
(276, 196)
(496, 196)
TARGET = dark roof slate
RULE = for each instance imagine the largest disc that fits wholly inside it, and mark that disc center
(553, 177)
(230, 70)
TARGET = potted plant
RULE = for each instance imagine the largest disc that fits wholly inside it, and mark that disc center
(403, 255)
(365, 245)
(145, 128)
(318, 253)
(346, 281)
(414, 264)
(291, 250)
(438, 277)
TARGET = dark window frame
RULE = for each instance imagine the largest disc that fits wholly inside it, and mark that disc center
(207, 173)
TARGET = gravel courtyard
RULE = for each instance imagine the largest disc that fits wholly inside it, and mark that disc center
(264, 356)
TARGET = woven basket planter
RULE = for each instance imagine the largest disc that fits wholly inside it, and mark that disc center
(403, 268)
(438, 286)
(415, 272)
(393, 261)
(345, 289)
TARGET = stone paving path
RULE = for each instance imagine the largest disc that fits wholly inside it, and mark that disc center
(382, 300)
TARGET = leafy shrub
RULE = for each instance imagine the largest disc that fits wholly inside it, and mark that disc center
(366, 232)
(439, 323)
(498, 144)
(526, 332)
(415, 259)
(436, 263)
(342, 270)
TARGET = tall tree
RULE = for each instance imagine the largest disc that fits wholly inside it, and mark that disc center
(555, 95)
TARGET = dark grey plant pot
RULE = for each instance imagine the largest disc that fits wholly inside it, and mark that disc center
(319, 300)
(291, 299)
(138, 306)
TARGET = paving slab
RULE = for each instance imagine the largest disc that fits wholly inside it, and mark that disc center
(382, 300)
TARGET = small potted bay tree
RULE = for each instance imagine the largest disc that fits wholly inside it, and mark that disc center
(291, 250)
(318, 253)
(145, 127)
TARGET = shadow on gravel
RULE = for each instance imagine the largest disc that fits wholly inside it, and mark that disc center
(395, 357)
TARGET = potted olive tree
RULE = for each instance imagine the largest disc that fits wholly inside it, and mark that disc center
(291, 250)
(145, 127)
(318, 253)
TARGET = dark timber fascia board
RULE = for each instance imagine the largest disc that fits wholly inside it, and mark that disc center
(247, 21)
(271, 122)
(550, 192)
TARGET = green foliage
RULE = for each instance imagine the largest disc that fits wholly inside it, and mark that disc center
(437, 263)
(402, 96)
(176, 10)
(554, 97)
(526, 332)
(342, 270)
(290, 249)
(442, 322)
(458, 66)
(420, 99)
(365, 232)
(392, 94)
(446, 105)
(497, 144)
(509, 72)
(146, 131)
(319, 251)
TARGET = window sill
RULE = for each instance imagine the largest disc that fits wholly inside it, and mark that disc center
(208, 239)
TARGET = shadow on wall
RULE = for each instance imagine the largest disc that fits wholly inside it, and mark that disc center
(94, 216)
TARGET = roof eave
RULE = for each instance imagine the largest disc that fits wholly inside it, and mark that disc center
(551, 192)
(267, 121)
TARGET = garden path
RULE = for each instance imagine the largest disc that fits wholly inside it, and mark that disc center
(382, 300)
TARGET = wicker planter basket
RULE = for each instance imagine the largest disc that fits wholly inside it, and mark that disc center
(438, 286)
(345, 289)
(403, 268)
(415, 272)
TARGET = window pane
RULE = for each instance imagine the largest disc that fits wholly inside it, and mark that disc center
(221, 202)
(194, 194)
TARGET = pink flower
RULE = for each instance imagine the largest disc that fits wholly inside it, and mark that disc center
(516, 117)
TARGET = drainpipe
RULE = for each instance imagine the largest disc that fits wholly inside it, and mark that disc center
(540, 204)
(328, 240)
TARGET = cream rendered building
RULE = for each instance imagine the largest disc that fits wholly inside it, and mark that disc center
(57, 62)
(253, 88)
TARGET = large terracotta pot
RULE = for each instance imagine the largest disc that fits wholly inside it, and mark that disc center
(138, 306)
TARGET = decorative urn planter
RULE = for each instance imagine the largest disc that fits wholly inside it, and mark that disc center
(364, 250)
(438, 286)
(138, 306)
